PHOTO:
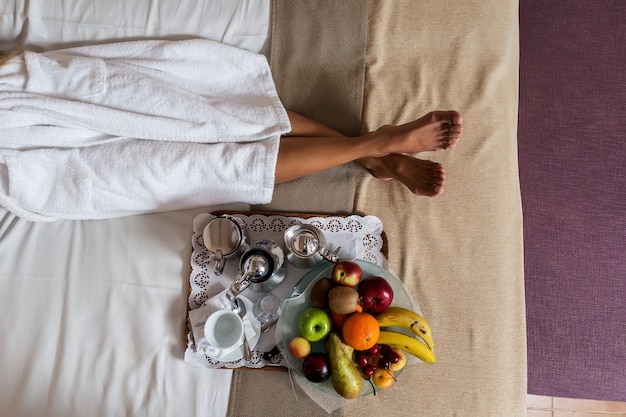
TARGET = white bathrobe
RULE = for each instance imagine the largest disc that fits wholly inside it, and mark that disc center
(134, 127)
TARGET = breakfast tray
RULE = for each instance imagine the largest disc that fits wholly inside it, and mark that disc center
(359, 237)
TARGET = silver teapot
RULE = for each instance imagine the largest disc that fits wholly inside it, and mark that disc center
(262, 268)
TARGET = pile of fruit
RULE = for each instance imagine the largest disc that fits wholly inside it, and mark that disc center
(352, 315)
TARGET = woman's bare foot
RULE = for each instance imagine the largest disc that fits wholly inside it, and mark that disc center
(422, 177)
(312, 147)
(434, 131)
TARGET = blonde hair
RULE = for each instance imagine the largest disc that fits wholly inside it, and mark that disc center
(4, 57)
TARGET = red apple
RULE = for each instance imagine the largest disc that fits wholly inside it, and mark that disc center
(346, 272)
(376, 294)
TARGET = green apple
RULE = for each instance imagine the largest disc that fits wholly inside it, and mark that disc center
(314, 324)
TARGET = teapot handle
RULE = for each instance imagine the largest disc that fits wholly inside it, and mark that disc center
(241, 283)
(220, 262)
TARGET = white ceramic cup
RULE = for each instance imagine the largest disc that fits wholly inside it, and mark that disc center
(223, 331)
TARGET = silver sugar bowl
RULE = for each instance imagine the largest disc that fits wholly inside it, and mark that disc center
(306, 246)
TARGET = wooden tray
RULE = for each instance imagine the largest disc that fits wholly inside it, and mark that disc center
(384, 251)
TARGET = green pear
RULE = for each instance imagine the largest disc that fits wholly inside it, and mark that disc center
(345, 376)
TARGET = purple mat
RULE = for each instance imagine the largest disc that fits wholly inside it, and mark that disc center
(572, 153)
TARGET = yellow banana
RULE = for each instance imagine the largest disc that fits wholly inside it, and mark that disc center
(408, 344)
(409, 319)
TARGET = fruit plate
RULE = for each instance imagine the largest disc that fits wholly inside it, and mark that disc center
(299, 301)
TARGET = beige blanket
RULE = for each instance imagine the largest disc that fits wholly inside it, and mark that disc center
(460, 255)
(318, 63)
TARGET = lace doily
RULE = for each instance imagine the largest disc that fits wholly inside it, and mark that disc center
(360, 237)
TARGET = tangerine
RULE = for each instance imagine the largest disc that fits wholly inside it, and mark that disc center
(361, 331)
(338, 319)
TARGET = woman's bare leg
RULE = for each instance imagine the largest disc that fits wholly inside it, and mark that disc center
(312, 147)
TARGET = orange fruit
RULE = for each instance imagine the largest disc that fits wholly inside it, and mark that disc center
(361, 331)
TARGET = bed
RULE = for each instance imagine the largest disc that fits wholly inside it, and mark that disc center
(94, 312)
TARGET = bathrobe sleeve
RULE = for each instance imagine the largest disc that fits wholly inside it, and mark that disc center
(134, 177)
(184, 91)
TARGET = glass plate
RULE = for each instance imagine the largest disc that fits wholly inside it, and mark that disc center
(299, 301)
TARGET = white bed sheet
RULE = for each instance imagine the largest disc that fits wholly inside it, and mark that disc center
(49, 24)
(93, 312)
